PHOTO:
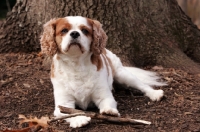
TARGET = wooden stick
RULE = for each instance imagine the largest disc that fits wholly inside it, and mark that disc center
(66, 116)
(103, 117)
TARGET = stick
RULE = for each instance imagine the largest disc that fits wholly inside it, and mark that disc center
(103, 117)
(66, 116)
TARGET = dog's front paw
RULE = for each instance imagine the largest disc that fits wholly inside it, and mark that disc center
(110, 111)
(78, 121)
(155, 95)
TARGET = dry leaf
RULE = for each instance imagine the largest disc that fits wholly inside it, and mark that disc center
(35, 124)
(35, 121)
(26, 85)
(157, 68)
(168, 79)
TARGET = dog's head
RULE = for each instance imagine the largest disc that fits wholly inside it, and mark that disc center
(73, 36)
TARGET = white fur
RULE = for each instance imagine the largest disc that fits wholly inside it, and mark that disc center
(76, 80)
(83, 40)
(147, 77)
(136, 78)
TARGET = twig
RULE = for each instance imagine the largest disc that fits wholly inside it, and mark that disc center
(101, 117)
(66, 116)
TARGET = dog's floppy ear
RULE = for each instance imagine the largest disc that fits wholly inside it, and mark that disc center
(99, 38)
(47, 41)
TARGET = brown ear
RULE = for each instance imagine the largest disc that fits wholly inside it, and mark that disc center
(99, 38)
(47, 41)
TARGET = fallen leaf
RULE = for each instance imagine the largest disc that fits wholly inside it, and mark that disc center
(35, 121)
(26, 85)
(157, 68)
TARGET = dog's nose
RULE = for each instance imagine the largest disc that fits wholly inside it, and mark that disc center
(74, 34)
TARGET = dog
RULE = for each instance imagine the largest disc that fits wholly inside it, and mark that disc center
(83, 70)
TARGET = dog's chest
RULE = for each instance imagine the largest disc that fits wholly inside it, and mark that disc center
(79, 81)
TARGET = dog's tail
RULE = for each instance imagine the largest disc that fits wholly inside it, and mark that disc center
(136, 78)
(141, 80)
(147, 77)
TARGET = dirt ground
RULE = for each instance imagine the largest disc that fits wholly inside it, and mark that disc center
(25, 88)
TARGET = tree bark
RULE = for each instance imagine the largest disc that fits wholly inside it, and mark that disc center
(192, 9)
(140, 32)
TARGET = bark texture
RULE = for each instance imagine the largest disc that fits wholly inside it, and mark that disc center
(140, 32)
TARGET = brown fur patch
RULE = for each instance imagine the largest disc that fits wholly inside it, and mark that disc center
(61, 24)
(47, 41)
(105, 60)
(90, 21)
(98, 35)
(58, 41)
(86, 28)
(52, 70)
(109, 61)
(96, 60)
(57, 57)
(52, 35)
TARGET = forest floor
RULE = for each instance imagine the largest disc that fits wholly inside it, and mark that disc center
(25, 88)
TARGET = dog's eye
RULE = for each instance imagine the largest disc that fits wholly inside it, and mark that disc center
(64, 31)
(85, 31)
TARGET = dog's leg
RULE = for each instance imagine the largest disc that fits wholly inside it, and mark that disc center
(105, 101)
(63, 99)
(123, 76)
(75, 122)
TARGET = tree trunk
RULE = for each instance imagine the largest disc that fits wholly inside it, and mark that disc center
(140, 32)
(192, 9)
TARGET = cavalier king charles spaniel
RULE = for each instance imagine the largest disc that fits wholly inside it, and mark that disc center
(83, 70)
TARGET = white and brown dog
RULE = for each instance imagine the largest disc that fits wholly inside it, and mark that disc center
(83, 70)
